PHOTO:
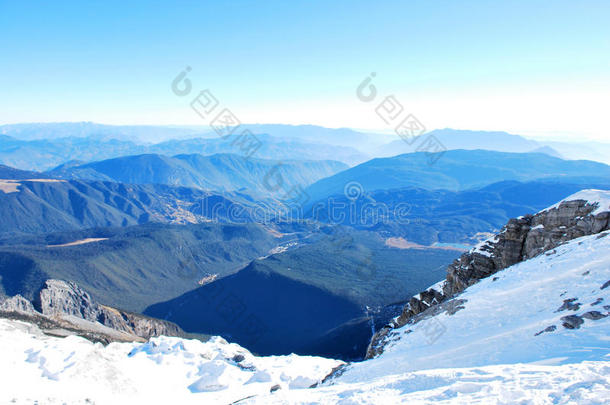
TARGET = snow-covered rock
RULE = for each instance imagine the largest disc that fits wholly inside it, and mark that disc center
(599, 199)
(584, 213)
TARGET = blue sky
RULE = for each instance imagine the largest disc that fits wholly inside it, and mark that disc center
(531, 67)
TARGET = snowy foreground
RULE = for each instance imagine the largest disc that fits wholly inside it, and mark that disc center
(489, 351)
(164, 370)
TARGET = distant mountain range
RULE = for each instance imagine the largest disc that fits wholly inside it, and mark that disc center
(315, 134)
(461, 195)
(44, 146)
(462, 139)
(503, 142)
(133, 133)
(276, 147)
(220, 172)
(458, 170)
(597, 151)
(7, 172)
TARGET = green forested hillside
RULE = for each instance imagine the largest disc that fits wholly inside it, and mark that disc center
(316, 292)
(133, 267)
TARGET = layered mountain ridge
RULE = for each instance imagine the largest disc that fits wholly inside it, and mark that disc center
(219, 172)
(457, 170)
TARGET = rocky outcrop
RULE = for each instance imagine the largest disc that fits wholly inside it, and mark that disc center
(61, 300)
(141, 325)
(523, 238)
(584, 213)
(59, 297)
(16, 304)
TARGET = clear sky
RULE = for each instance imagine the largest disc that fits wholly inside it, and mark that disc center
(529, 67)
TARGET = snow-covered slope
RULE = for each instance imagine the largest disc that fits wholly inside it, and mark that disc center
(491, 349)
(165, 370)
(496, 321)
(586, 383)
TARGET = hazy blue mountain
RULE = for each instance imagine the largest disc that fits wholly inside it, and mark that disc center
(547, 150)
(134, 133)
(148, 134)
(221, 172)
(43, 206)
(68, 165)
(271, 147)
(598, 151)
(458, 170)
(504, 142)
(42, 146)
(44, 154)
(321, 135)
(465, 139)
(429, 216)
(10, 173)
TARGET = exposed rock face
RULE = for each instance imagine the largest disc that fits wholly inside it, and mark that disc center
(521, 239)
(143, 326)
(58, 299)
(16, 304)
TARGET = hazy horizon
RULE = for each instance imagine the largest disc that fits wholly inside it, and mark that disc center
(556, 136)
(531, 69)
